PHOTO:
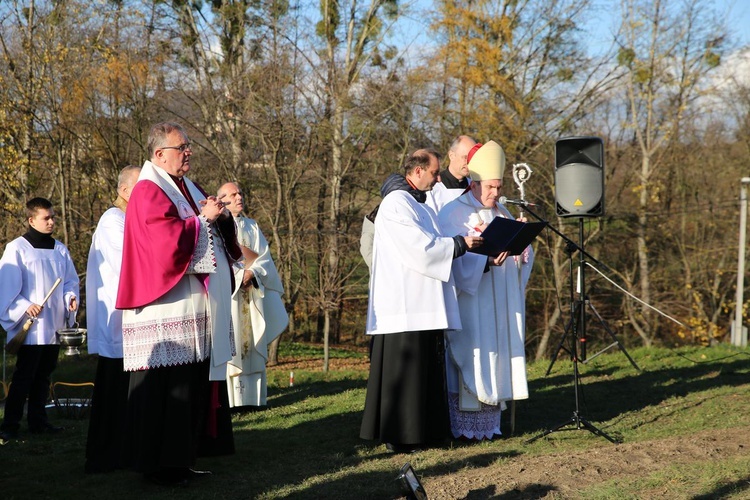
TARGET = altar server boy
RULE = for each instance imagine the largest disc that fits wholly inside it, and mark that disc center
(29, 267)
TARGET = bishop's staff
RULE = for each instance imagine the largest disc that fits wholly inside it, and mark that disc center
(17, 341)
(521, 173)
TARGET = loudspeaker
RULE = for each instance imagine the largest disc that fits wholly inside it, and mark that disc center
(579, 177)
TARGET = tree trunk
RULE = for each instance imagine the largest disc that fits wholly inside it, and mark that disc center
(645, 329)
(273, 352)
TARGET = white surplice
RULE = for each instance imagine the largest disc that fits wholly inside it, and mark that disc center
(103, 321)
(258, 315)
(26, 275)
(439, 196)
(411, 288)
(189, 323)
(486, 361)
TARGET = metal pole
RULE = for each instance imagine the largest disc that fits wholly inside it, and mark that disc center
(739, 336)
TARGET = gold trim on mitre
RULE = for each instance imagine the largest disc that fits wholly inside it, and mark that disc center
(488, 163)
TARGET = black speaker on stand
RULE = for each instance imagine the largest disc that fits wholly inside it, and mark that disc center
(579, 177)
(579, 192)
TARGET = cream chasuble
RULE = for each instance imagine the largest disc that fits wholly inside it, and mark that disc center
(258, 315)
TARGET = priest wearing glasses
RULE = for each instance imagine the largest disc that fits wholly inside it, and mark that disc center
(175, 290)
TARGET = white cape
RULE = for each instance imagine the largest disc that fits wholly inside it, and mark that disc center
(103, 321)
(439, 196)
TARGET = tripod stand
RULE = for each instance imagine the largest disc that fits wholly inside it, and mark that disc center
(577, 324)
(575, 331)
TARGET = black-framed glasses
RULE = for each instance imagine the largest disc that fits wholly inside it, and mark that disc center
(181, 148)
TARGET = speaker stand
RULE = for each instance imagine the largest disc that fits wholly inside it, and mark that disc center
(576, 421)
(575, 331)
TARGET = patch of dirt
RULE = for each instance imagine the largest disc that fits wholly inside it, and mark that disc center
(563, 475)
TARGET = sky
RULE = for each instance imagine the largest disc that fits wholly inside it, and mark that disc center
(603, 21)
(736, 14)
(739, 18)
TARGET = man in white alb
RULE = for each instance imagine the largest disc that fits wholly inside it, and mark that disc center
(104, 328)
(412, 301)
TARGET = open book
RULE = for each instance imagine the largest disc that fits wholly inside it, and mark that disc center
(507, 234)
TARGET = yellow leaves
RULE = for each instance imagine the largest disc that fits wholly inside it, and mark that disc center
(712, 59)
(700, 331)
(477, 37)
(11, 163)
(642, 74)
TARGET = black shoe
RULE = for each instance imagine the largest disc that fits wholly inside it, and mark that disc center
(46, 429)
(7, 436)
(191, 473)
(402, 448)
(167, 477)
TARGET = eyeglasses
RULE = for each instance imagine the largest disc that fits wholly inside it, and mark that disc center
(181, 148)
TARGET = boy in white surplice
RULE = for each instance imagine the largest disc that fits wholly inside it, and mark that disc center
(28, 270)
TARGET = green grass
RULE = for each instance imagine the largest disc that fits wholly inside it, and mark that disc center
(307, 351)
(306, 445)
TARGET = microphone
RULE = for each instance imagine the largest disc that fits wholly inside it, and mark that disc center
(520, 203)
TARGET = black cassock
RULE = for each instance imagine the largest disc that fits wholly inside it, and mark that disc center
(406, 399)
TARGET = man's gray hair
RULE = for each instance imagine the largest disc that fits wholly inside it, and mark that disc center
(158, 134)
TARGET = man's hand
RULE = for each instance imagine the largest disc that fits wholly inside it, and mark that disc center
(211, 208)
(247, 278)
(498, 259)
(73, 304)
(473, 241)
(34, 310)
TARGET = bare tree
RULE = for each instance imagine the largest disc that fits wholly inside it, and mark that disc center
(666, 50)
(351, 32)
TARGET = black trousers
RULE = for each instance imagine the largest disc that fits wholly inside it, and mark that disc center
(31, 379)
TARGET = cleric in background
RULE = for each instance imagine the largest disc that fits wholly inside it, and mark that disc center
(412, 301)
(104, 327)
(486, 363)
(258, 312)
(454, 179)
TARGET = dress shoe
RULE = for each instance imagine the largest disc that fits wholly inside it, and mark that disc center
(46, 429)
(7, 436)
(402, 448)
(198, 473)
(166, 478)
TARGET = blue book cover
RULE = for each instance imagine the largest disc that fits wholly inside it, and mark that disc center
(507, 234)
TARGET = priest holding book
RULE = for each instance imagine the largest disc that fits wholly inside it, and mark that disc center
(486, 363)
